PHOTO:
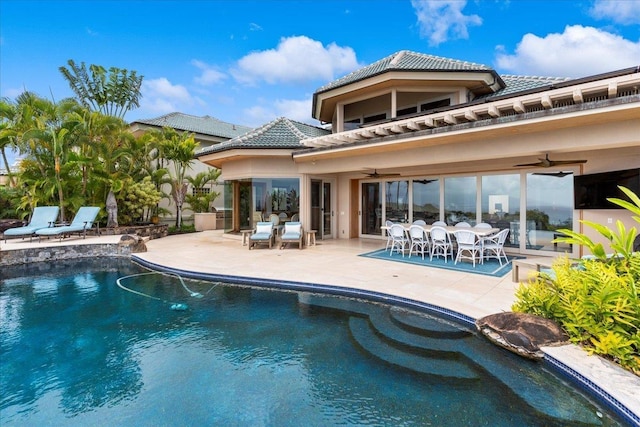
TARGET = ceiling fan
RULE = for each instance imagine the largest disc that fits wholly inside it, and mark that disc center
(547, 163)
(375, 174)
(560, 174)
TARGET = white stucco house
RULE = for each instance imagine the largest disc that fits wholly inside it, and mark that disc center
(416, 136)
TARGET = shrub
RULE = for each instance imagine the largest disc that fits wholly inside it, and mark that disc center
(595, 300)
(138, 199)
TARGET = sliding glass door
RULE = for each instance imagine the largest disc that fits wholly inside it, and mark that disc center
(549, 207)
(500, 204)
(371, 208)
(460, 200)
(532, 206)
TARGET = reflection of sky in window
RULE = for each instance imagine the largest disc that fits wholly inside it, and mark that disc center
(426, 193)
(460, 193)
(551, 194)
(501, 185)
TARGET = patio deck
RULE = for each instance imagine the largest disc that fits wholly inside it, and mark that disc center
(337, 263)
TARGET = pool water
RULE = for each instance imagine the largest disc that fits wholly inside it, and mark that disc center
(76, 349)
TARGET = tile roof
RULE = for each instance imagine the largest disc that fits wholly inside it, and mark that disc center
(205, 125)
(279, 133)
(405, 60)
(515, 84)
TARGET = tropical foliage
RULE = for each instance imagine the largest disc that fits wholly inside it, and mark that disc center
(76, 151)
(112, 92)
(201, 200)
(596, 299)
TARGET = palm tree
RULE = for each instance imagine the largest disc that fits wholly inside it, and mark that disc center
(200, 202)
(179, 149)
(49, 142)
(8, 133)
(112, 92)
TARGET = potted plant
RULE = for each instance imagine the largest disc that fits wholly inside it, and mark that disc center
(201, 200)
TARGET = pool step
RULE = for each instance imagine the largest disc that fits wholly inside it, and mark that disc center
(420, 343)
(543, 400)
(429, 341)
(333, 302)
(423, 324)
(368, 340)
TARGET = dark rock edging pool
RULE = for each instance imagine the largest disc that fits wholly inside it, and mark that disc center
(123, 248)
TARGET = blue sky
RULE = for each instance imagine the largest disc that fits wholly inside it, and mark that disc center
(248, 62)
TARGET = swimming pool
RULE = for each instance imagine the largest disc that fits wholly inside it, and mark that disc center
(76, 349)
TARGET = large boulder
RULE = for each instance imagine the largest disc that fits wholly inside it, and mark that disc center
(131, 244)
(522, 333)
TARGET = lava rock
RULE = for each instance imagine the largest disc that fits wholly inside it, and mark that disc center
(522, 333)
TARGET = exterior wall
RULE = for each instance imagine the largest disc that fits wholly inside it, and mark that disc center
(273, 167)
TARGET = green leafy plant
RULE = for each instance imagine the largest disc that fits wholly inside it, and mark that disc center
(139, 198)
(201, 201)
(596, 299)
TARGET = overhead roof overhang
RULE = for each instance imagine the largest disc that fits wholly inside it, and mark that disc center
(218, 159)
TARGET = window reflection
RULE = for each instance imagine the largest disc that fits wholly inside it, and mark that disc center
(397, 201)
(549, 208)
(426, 200)
(253, 200)
(460, 200)
(501, 203)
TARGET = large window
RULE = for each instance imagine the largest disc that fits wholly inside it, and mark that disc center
(460, 200)
(494, 199)
(426, 199)
(549, 207)
(254, 200)
(397, 201)
(501, 202)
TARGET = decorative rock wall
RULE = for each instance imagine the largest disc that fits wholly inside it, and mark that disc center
(124, 248)
(152, 231)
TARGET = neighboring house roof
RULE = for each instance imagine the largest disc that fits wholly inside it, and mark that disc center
(205, 125)
(279, 133)
(405, 60)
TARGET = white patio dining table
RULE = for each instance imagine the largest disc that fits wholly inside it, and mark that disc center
(480, 232)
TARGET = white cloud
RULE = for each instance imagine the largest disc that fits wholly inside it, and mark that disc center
(299, 110)
(161, 96)
(267, 111)
(257, 115)
(577, 52)
(295, 59)
(626, 12)
(441, 20)
(254, 27)
(210, 75)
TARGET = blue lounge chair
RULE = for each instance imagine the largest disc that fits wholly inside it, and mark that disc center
(83, 221)
(262, 234)
(292, 233)
(43, 217)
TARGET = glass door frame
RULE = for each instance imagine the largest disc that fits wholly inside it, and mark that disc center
(326, 206)
(378, 213)
(523, 231)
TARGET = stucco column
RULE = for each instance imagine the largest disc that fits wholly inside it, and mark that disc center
(340, 117)
(394, 103)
